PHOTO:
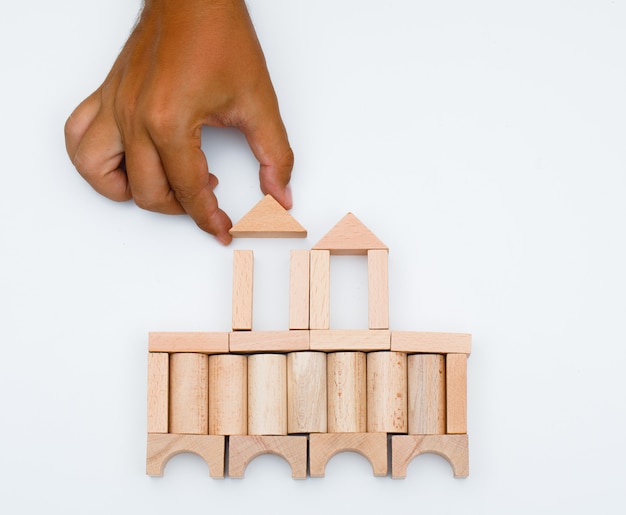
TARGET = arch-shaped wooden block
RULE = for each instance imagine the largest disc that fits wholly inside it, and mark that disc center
(162, 447)
(454, 448)
(323, 446)
(243, 449)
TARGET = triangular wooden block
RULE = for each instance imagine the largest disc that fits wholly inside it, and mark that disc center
(350, 237)
(268, 219)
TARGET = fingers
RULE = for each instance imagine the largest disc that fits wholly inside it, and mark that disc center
(187, 173)
(268, 141)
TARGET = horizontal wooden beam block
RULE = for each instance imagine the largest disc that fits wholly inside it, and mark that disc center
(163, 447)
(243, 449)
(269, 341)
(322, 447)
(413, 342)
(202, 343)
(454, 448)
(344, 340)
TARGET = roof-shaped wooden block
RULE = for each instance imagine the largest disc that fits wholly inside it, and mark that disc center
(268, 219)
(350, 237)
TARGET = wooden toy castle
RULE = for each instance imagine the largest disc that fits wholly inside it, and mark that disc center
(309, 392)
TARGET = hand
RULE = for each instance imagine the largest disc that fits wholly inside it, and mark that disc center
(186, 64)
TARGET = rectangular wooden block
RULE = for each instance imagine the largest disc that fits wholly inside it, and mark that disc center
(319, 315)
(269, 341)
(299, 289)
(378, 289)
(243, 276)
(347, 339)
(413, 342)
(456, 393)
(158, 391)
(203, 343)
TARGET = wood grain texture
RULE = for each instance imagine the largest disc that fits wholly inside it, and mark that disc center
(299, 289)
(306, 392)
(386, 392)
(243, 279)
(378, 289)
(228, 394)
(158, 392)
(349, 339)
(243, 449)
(427, 394)
(431, 343)
(268, 219)
(456, 393)
(267, 394)
(163, 447)
(202, 342)
(269, 341)
(322, 447)
(189, 393)
(319, 315)
(347, 392)
(454, 448)
(349, 237)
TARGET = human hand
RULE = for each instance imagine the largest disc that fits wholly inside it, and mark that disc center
(185, 65)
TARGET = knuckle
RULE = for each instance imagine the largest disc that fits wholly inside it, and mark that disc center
(150, 202)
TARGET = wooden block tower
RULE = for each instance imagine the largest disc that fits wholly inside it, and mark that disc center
(309, 392)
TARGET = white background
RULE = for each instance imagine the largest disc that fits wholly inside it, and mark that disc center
(482, 141)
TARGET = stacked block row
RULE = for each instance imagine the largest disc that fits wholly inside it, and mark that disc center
(199, 385)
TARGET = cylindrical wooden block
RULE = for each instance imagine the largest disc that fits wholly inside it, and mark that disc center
(386, 392)
(347, 392)
(427, 394)
(267, 394)
(189, 393)
(306, 392)
(228, 394)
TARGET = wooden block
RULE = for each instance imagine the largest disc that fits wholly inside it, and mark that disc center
(378, 289)
(456, 393)
(322, 447)
(269, 341)
(158, 392)
(162, 447)
(349, 339)
(454, 448)
(299, 289)
(319, 315)
(427, 394)
(267, 394)
(228, 394)
(189, 393)
(306, 392)
(350, 237)
(243, 274)
(386, 392)
(347, 392)
(243, 449)
(431, 343)
(268, 219)
(204, 343)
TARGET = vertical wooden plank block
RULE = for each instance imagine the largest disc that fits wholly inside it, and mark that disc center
(267, 394)
(228, 394)
(386, 392)
(427, 394)
(378, 289)
(319, 316)
(158, 391)
(347, 392)
(299, 289)
(189, 393)
(456, 393)
(306, 392)
(243, 274)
